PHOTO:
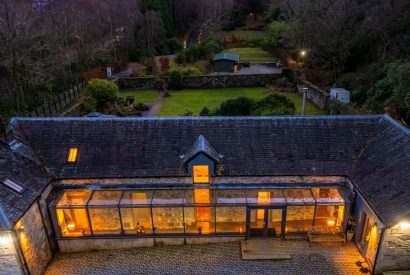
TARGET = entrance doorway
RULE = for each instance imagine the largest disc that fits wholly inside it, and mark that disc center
(264, 222)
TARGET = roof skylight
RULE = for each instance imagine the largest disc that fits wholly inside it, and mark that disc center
(13, 186)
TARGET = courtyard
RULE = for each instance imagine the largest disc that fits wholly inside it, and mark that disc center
(221, 258)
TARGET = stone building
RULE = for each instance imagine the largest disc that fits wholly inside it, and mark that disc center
(79, 184)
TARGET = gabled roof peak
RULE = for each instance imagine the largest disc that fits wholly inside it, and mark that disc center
(202, 145)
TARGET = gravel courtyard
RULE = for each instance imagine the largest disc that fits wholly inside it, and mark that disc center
(222, 258)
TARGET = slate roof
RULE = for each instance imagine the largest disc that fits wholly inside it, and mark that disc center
(226, 56)
(382, 172)
(26, 173)
(372, 150)
(202, 145)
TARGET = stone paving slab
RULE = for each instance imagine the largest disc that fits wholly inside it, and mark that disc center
(221, 258)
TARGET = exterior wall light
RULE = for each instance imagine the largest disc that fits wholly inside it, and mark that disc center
(331, 222)
(404, 225)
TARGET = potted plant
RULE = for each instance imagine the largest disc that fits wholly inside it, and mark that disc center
(350, 232)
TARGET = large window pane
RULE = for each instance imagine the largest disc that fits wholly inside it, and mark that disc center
(199, 220)
(105, 220)
(136, 220)
(163, 197)
(231, 220)
(136, 197)
(265, 196)
(168, 220)
(105, 198)
(300, 195)
(299, 218)
(74, 198)
(329, 215)
(327, 195)
(230, 197)
(73, 222)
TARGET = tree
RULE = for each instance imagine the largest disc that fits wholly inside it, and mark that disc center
(99, 92)
(279, 34)
(241, 106)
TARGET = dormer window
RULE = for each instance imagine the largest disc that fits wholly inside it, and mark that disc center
(72, 155)
(201, 173)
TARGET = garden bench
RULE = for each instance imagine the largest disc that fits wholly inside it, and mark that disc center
(326, 234)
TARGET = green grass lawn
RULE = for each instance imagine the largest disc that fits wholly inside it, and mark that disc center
(195, 100)
(242, 35)
(141, 96)
(251, 54)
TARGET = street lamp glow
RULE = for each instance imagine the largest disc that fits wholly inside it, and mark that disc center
(302, 53)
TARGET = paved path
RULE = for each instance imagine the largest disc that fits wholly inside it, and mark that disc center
(222, 258)
(156, 108)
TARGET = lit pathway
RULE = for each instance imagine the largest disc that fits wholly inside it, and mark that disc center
(223, 258)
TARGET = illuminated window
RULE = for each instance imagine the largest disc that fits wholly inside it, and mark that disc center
(263, 198)
(201, 174)
(72, 155)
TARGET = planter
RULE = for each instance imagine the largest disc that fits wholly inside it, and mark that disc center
(349, 235)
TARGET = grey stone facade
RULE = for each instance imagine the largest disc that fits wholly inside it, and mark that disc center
(394, 253)
(201, 81)
(33, 240)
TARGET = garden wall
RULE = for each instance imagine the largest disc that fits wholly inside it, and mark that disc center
(318, 96)
(201, 81)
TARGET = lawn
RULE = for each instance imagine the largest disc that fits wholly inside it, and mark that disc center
(141, 96)
(252, 54)
(195, 100)
(242, 35)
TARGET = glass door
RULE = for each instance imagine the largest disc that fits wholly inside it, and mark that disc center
(264, 222)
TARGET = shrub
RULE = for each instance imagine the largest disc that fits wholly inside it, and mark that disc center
(186, 112)
(94, 73)
(150, 66)
(273, 105)
(205, 112)
(278, 34)
(164, 61)
(240, 106)
(99, 92)
(175, 82)
(173, 45)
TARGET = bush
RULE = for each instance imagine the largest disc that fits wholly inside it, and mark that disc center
(164, 61)
(98, 93)
(173, 45)
(273, 105)
(94, 73)
(205, 112)
(151, 66)
(186, 112)
(278, 34)
(175, 82)
(204, 50)
(240, 106)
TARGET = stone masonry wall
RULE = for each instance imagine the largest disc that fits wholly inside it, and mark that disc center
(315, 94)
(33, 240)
(395, 250)
(201, 81)
(8, 259)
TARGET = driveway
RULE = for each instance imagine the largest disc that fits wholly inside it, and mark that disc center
(222, 258)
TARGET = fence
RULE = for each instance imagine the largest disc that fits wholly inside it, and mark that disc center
(318, 96)
(58, 102)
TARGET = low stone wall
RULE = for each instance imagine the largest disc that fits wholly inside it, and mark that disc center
(82, 245)
(201, 81)
(395, 250)
(318, 96)
(33, 240)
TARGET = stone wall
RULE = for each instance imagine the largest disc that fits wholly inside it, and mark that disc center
(318, 96)
(394, 253)
(201, 81)
(9, 264)
(33, 240)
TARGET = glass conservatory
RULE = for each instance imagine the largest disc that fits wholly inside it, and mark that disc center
(268, 212)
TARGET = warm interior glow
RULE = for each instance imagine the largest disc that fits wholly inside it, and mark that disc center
(263, 198)
(202, 214)
(71, 226)
(201, 174)
(72, 155)
(405, 225)
(331, 222)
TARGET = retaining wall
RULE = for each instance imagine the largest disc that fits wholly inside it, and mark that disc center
(201, 81)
